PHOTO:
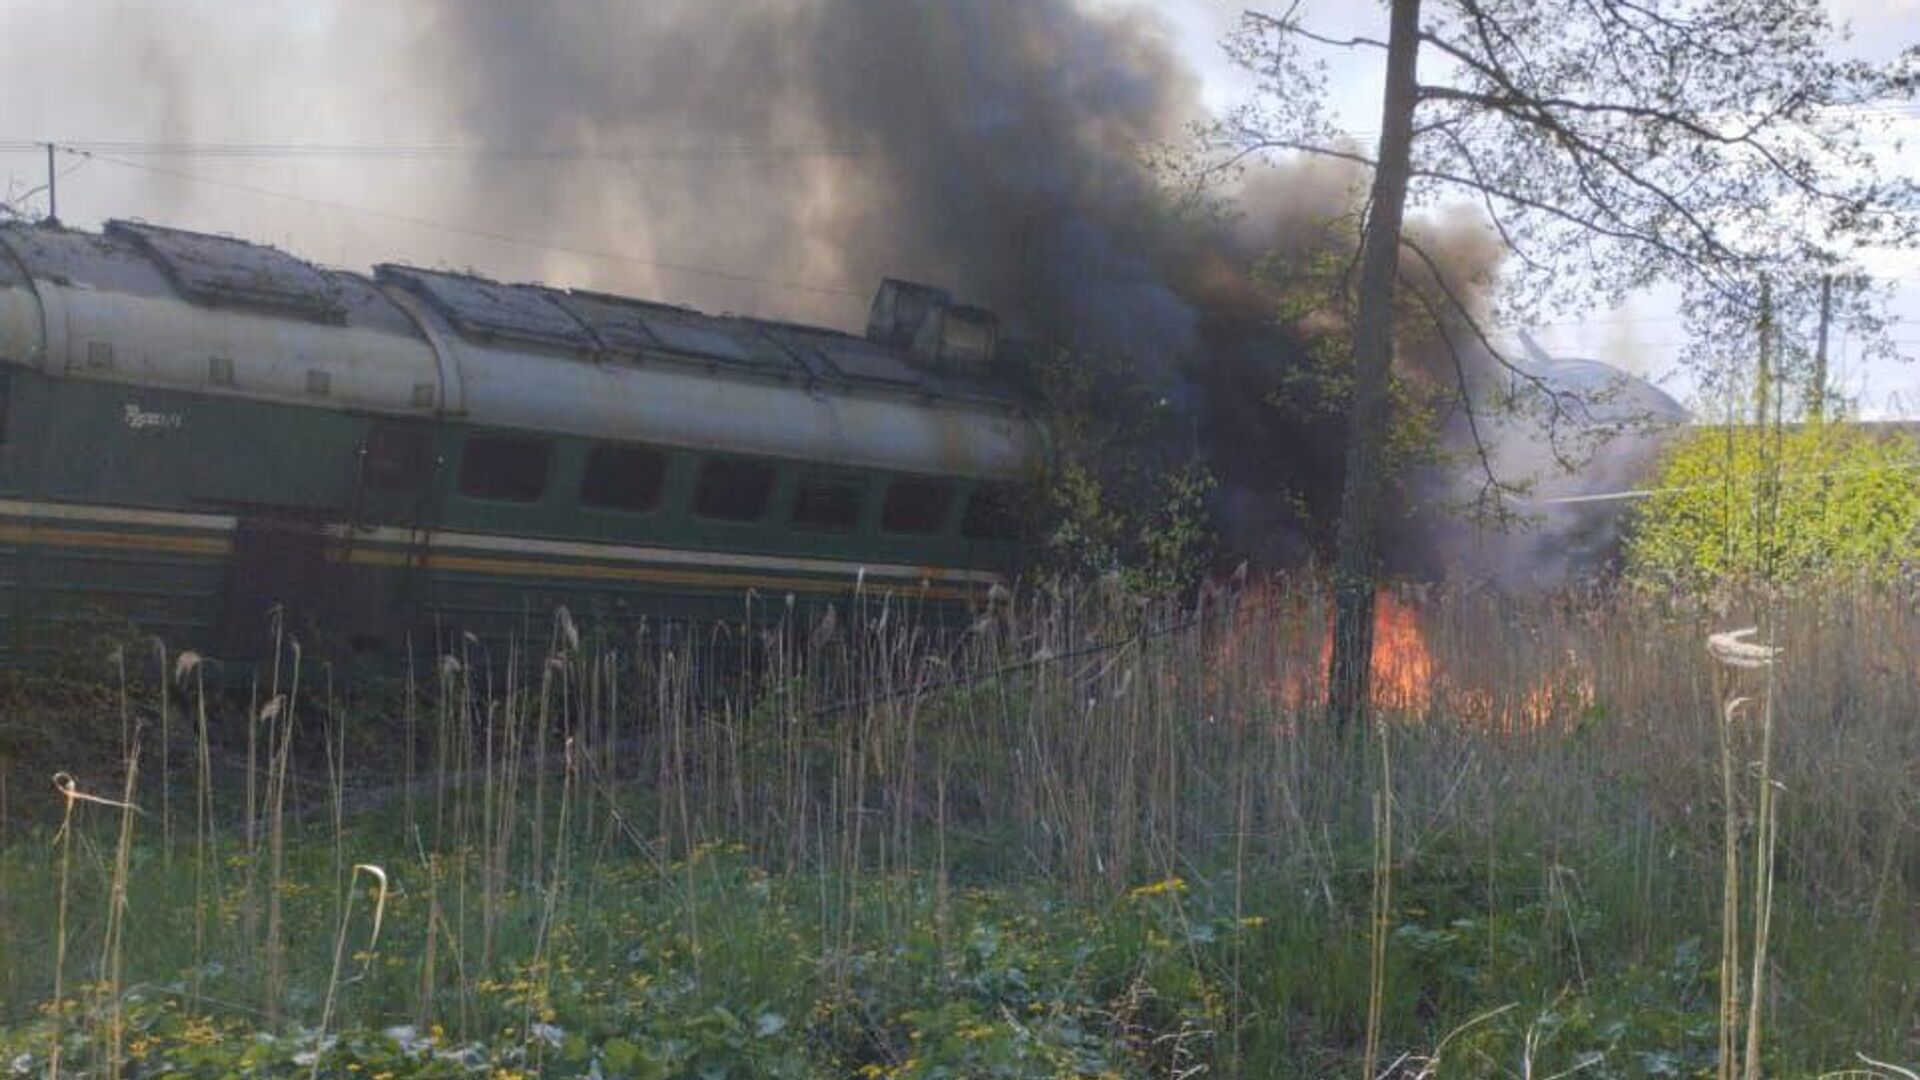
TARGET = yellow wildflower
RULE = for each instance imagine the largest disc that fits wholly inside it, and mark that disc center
(1162, 887)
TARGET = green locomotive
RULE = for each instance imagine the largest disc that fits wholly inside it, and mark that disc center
(197, 431)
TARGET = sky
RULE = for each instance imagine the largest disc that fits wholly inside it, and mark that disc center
(314, 72)
(1645, 336)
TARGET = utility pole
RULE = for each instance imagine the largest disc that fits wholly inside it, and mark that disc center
(1766, 505)
(53, 189)
(1763, 385)
(1817, 395)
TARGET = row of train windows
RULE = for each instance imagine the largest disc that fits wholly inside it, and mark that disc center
(734, 489)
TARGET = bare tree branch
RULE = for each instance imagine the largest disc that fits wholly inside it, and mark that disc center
(1555, 398)
(1286, 24)
(1531, 109)
(1440, 325)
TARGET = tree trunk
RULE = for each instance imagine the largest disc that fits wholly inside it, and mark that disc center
(1355, 568)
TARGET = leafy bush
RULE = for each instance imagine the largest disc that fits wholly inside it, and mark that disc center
(1750, 503)
(1123, 498)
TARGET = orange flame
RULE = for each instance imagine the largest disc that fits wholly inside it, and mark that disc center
(1402, 665)
(1407, 678)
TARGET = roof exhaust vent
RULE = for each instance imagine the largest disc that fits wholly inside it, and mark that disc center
(924, 320)
(957, 336)
(898, 310)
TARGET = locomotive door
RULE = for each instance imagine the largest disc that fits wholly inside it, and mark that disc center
(394, 513)
(280, 572)
(23, 411)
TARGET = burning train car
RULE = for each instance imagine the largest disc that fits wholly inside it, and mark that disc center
(197, 432)
(1569, 440)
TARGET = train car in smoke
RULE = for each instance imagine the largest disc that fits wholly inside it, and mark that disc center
(196, 431)
(1571, 440)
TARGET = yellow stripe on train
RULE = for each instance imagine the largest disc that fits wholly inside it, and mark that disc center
(221, 546)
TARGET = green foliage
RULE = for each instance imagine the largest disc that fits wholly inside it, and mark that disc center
(1256, 979)
(1190, 885)
(1312, 287)
(1779, 506)
(1126, 494)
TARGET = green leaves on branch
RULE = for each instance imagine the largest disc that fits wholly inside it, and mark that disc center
(1126, 496)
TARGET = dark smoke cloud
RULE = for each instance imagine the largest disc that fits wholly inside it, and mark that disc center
(994, 147)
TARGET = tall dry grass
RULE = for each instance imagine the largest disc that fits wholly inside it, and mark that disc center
(1089, 740)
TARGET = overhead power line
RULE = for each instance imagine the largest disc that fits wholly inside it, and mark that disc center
(276, 151)
(1887, 109)
(461, 230)
(1636, 494)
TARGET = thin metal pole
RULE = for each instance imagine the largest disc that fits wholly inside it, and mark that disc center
(1763, 385)
(53, 190)
(1819, 387)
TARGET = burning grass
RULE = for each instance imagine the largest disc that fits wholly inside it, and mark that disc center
(1408, 682)
(1086, 838)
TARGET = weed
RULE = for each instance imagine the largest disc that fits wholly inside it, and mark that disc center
(1082, 838)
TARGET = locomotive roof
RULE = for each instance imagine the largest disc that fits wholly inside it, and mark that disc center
(221, 271)
(416, 340)
(1604, 394)
(120, 260)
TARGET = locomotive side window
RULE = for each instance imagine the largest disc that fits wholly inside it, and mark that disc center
(829, 502)
(918, 507)
(505, 467)
(990, 514)
(396, 458)
(624, 477)
(733, 489)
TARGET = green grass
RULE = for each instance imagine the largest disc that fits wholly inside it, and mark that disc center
(1132, 861)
